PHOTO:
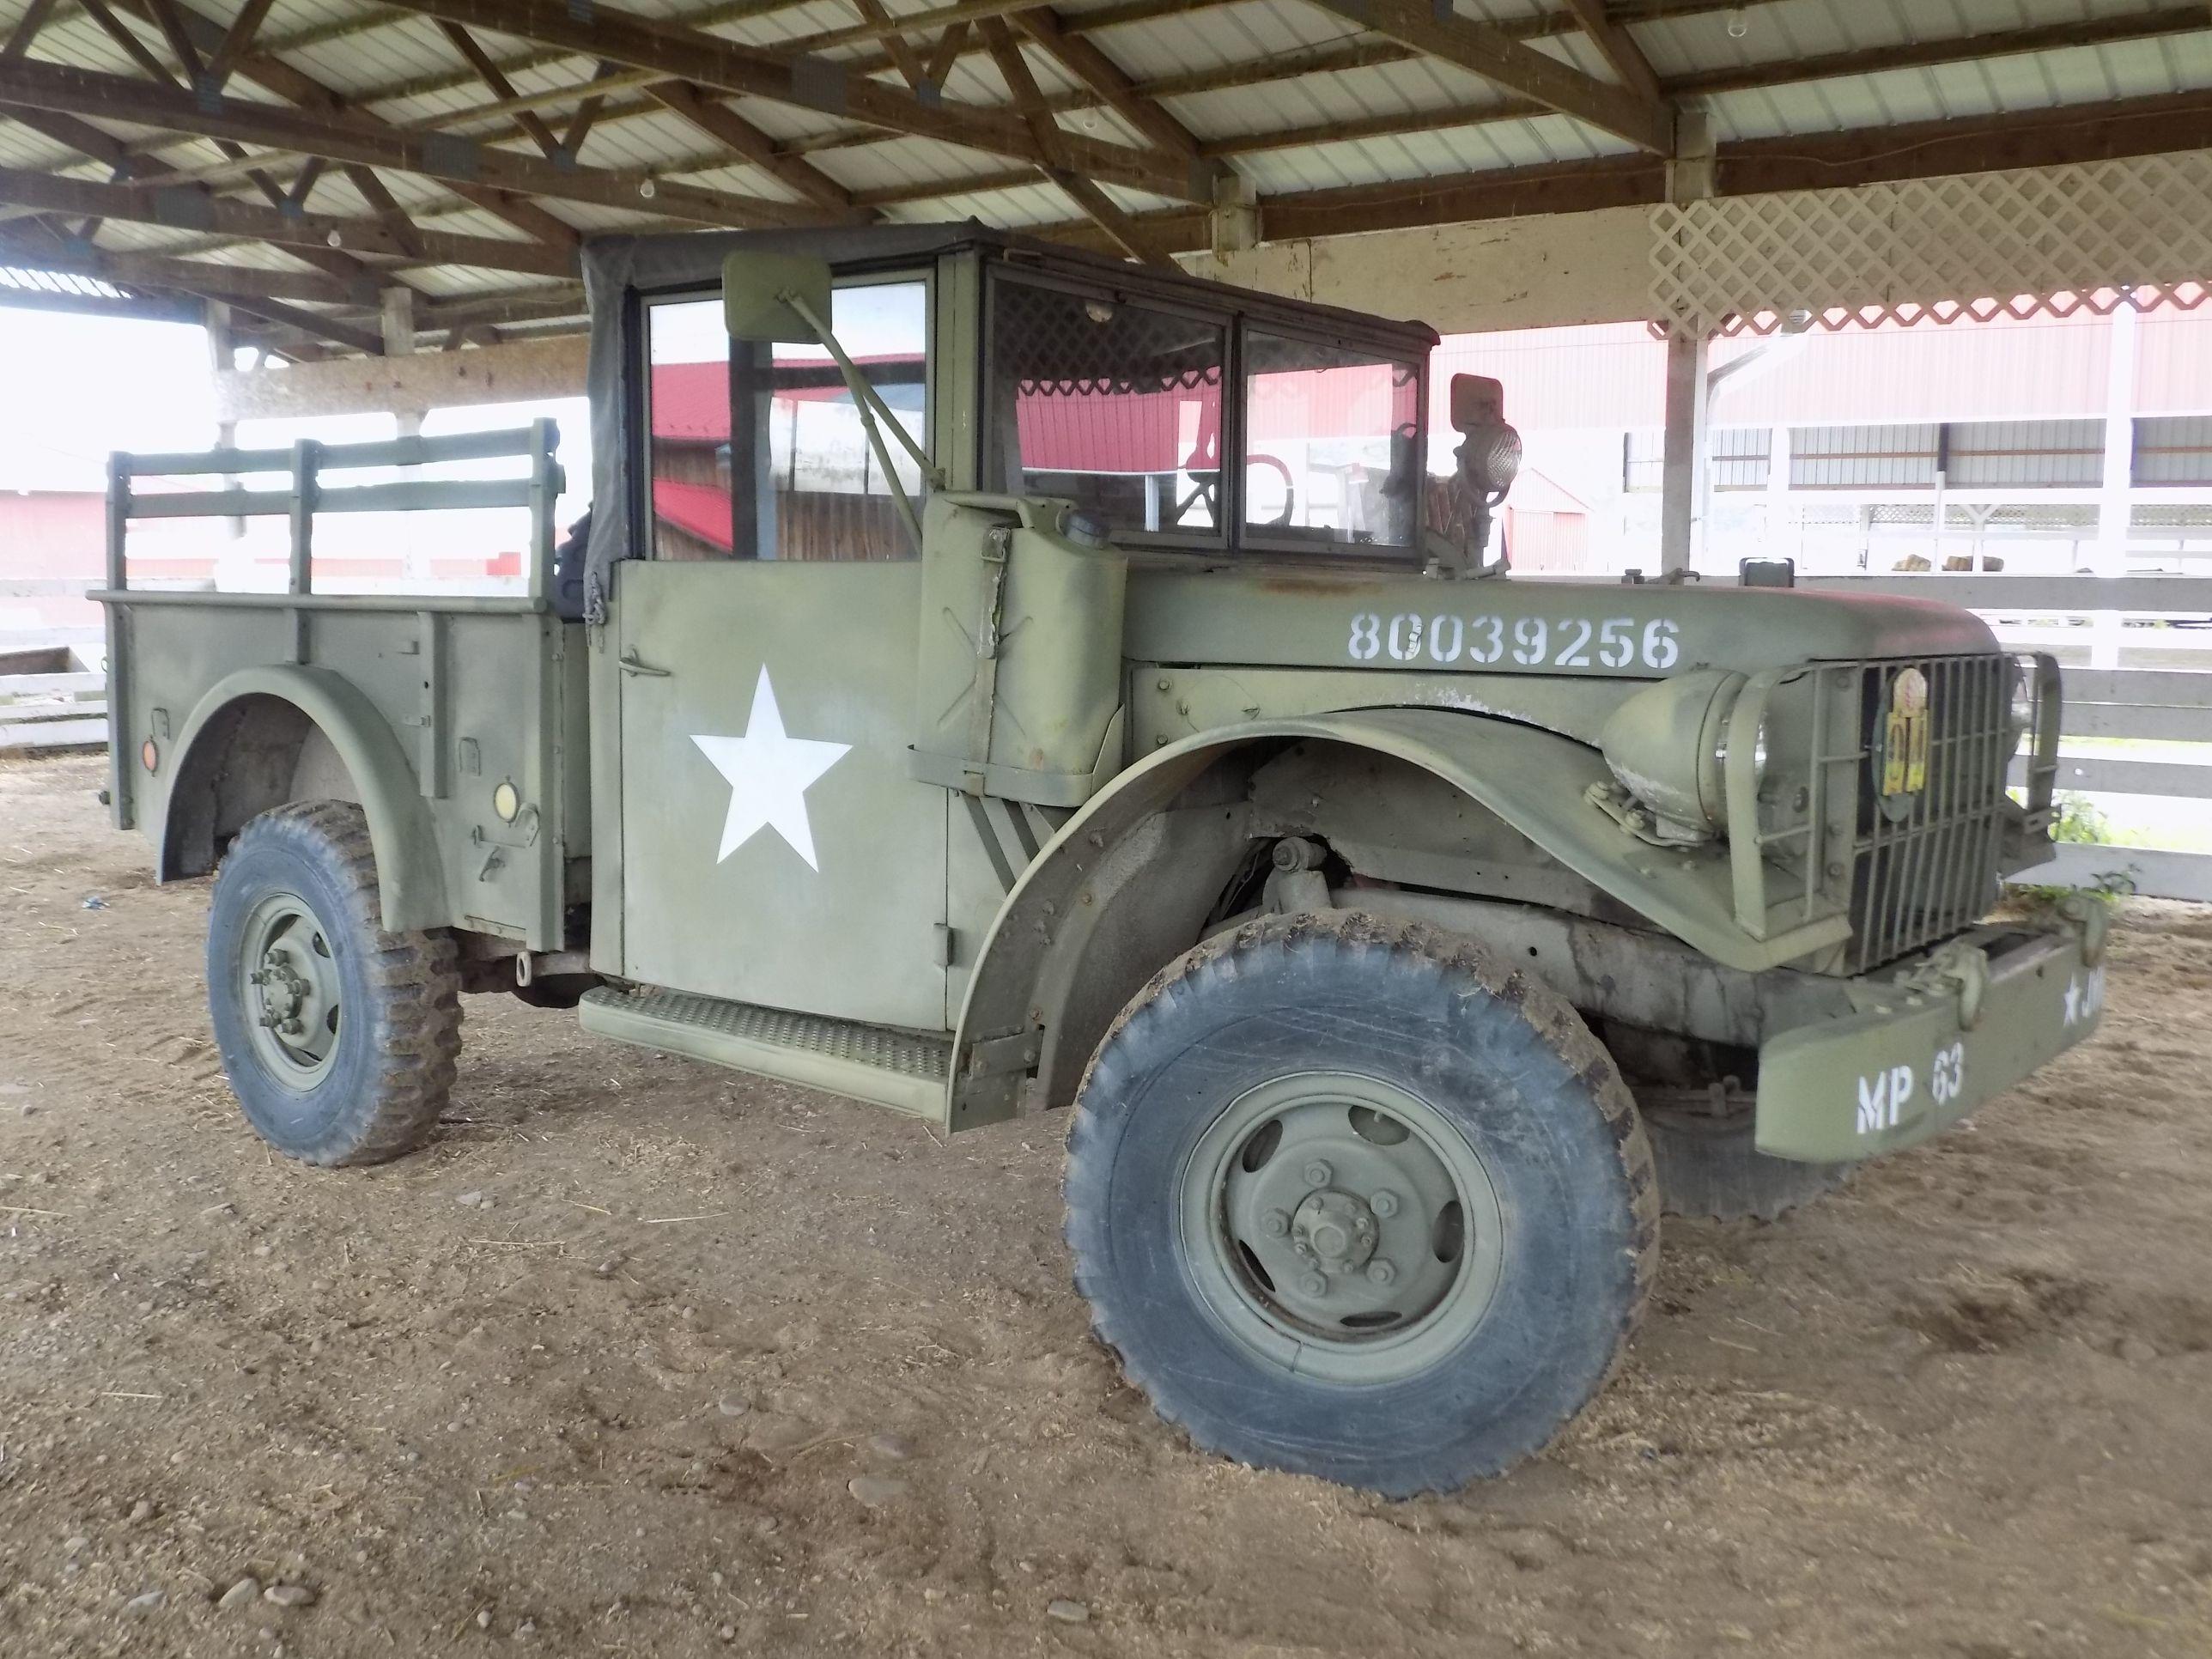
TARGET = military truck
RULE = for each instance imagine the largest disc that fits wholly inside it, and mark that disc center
(999, 680)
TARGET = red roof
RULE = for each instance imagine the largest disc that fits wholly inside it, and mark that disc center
(696, 509)
(691, 401)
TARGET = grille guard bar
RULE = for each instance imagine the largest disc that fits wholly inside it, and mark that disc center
(1830, 851)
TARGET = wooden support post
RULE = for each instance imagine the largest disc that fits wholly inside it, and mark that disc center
(545, 482)
(120, 750)
(1683, 465)
(2116, 483)
(306, 460)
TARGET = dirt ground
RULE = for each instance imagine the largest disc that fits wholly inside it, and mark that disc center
(598, 1372)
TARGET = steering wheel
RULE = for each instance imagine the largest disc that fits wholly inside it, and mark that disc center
(1290, 490)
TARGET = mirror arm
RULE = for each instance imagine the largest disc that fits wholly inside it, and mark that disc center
(874, 413)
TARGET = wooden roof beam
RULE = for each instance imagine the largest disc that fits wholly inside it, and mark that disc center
(312, 323)
(1485, 49)
(343, 137)
(211, 281)
(531, 124)
(902, 53)
(180, 207)
(799, 79)
(1107, 78)
(157, 307)
(275, 75)
(25, 34)
(1621, 54)
(2128, 127)
(726, 126)
(1101, 209)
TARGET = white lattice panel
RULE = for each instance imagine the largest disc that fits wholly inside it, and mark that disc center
(1965, 244)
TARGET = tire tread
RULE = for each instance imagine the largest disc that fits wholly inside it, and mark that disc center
(417, 975)
(1551, 1016)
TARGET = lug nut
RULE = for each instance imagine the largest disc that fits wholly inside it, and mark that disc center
(1384, 1204)
(1275, 1224)
(1314, 1284)
(1380, 1272)
(291, 1028)
(1318, 1173)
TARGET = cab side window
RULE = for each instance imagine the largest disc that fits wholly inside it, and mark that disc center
(758, 451)
(688, 421)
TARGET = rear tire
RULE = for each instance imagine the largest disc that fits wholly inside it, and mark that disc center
(1709, 1169)
(1301, 1098)
(340, 1039)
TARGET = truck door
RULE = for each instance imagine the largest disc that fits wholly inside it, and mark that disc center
(776, 849)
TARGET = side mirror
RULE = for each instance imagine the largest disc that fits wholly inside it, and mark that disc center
(757, 292)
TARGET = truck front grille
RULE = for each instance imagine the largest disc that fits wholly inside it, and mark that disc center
(1925, 862)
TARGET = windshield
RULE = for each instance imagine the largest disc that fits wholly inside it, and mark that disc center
(1329, 443)
(1118, 406)
(1114, 405)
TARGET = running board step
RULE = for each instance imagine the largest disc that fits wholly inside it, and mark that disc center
(896, 1069)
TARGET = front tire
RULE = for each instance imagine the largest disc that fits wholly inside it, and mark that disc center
(1711, 1168)
(340, 1039)
(1294, 1102)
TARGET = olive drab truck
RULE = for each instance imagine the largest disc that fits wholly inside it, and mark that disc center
(999, 680)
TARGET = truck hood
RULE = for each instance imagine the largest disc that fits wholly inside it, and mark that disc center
(1504, 625)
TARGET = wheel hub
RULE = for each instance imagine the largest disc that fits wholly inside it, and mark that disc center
(292, 989)
(284, 992)
(1334, 1231)
(1343, 1225)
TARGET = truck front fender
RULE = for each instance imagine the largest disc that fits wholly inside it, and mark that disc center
(1066, 952)
(410, 878)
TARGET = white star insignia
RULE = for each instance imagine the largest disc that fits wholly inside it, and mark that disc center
(768, 774)
(2073, 999)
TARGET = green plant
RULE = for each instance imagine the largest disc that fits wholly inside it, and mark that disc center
(2075, 818)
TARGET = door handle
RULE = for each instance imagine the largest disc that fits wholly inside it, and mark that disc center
(630, 665)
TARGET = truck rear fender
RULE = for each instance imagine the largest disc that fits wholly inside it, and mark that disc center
(281, 732)
(1128, 882)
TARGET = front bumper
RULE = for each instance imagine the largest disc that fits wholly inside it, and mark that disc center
(1919, 1052)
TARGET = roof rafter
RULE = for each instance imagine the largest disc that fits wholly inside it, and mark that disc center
(1485, 49)
(26, 32)
(180, 207)
(726, 126)
(1107, 78)
(895, 45)
(167, 16)
(343, 137)
(280, 78)
(308, 322)
(213, 281)
(1101, 209)
(798, 79)
(1622, 55)
(531, 124)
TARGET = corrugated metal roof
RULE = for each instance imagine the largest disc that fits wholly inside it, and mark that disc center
(407, 71)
